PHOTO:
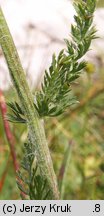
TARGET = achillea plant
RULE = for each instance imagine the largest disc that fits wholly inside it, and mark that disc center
(37, 173)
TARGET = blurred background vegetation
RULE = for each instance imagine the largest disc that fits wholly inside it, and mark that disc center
(100, 3)
(76, 140)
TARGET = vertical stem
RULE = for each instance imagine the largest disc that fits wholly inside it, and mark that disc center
(11, 141)
(64, 168)
(2, 180)
(35, 127)
(8, 132)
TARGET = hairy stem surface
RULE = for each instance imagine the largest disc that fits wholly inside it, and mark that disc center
(36, 130)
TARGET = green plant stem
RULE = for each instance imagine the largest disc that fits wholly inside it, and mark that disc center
(36, 129)
(64, 169)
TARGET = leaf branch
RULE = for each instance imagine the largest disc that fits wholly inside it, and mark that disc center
(36, 130)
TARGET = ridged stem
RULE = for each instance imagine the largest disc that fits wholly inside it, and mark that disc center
(36, 129)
